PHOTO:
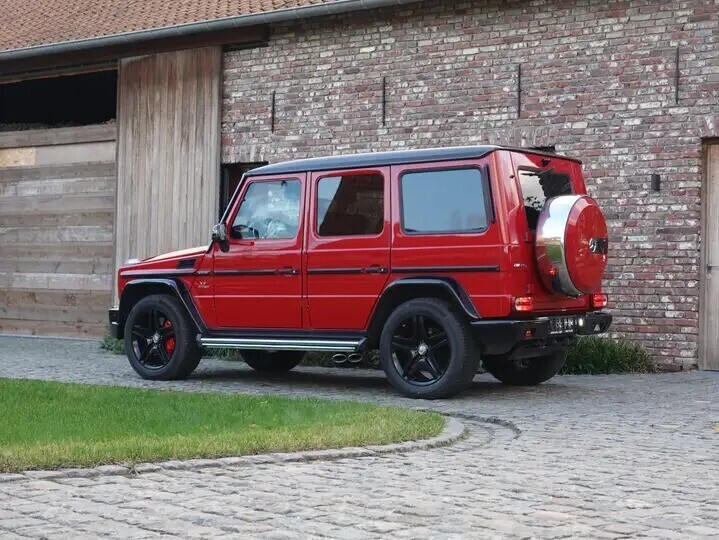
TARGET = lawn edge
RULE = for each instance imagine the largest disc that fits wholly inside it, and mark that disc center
(452, 431)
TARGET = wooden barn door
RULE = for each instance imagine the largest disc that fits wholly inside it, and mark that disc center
(168, 160)
(710, 315)
(57, 205)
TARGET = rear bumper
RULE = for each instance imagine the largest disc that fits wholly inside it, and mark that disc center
(502, 335)
(113, 314)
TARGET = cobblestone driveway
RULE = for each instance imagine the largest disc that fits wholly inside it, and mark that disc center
(600, 457)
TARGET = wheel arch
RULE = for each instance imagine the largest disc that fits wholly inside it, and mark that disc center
(138, 289)
(405, 289)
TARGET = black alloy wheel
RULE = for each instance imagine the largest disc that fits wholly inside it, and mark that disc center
(160, 339)
(421, 351)
(427, 350)
(153, 339)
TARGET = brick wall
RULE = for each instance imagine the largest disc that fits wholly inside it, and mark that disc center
(597, 82)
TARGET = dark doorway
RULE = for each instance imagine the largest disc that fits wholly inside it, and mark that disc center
(231, 176)
(72, 100)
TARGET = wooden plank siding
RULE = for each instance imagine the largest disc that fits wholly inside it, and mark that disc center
(57, 206)
(168, 151)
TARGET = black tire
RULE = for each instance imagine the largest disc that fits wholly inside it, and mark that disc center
(449, 346)
(163, 316)
(525, 372)
(272, 361)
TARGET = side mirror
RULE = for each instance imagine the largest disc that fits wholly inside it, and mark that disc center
(219, 235)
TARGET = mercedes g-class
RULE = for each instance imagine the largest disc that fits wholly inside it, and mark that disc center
(436, 258)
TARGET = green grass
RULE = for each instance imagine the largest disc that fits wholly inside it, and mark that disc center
(115, 346)
(51, 425)
(600, 355)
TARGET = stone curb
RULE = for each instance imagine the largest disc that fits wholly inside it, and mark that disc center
(453, 431)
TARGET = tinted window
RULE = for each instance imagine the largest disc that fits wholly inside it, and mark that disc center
(444, 201)
(537, 187)
(269, 210)
(350, 205)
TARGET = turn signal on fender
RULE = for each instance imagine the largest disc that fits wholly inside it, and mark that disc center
(524, 303)
(599, 300)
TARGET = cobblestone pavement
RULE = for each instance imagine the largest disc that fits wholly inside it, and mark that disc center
(578, 457)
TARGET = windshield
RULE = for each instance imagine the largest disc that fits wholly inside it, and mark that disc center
(537, 187)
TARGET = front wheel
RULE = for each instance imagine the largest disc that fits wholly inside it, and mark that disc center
(272, 361)
(526, 371)
(160, 339)
(427, 350)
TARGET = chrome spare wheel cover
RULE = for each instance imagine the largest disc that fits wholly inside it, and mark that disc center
(550, 245)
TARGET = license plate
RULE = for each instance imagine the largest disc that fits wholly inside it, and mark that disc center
(562, 325)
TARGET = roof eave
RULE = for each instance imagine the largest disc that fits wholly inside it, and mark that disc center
(252, 19)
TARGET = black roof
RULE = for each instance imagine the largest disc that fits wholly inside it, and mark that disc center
(378, 159)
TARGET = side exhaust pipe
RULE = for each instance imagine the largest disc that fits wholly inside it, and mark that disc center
(354, 358)
(339, 358)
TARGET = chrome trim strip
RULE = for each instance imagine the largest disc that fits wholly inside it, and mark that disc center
(329, 345)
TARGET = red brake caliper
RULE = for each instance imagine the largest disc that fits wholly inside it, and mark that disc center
(169, 342)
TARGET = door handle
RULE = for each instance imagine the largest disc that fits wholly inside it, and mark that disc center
(710, 266)
(288, 271)
(375, 270)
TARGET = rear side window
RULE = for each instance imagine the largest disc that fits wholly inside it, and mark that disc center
(350, 205)
(537, 187)
(444, 200)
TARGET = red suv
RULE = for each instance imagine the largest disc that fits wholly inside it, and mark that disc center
(437, 258)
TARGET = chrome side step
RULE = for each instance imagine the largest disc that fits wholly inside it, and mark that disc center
(327, 345)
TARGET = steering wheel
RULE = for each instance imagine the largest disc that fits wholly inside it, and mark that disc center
(272, 228)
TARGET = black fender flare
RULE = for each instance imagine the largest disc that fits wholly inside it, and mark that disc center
(404, 289)
(137, 289)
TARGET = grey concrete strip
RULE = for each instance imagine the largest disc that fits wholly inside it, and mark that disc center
(452, 431)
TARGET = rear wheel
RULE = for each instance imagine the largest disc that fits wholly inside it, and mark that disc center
(525, 371)
(272, 361)
(160, 339)
(427, 350)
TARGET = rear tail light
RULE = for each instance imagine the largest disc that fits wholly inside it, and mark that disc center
(524, 304)
(599, 300)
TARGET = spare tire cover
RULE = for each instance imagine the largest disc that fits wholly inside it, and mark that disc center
(571, 245)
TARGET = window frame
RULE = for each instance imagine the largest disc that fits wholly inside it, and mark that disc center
(343, 173)
(245, 184)
(489, 209)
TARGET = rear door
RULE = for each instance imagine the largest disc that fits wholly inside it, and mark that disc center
(348, 246)
(444, 226)
(540, 178)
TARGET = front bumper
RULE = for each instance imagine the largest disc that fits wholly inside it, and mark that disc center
(500, 336)
(113, 314)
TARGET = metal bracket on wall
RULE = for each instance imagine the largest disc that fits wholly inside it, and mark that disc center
(519, 90)
(272, 113)
(384, 101)
(676, 76)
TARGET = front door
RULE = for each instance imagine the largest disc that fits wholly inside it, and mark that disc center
(710, 319)
(348, 246)
(258, 281)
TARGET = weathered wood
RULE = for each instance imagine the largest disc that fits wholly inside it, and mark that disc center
(53, 281)
(52, 328)
(67, 135)
(56, 239)
(90, 300)
(710, 301)
(168, 151)
(58, 171)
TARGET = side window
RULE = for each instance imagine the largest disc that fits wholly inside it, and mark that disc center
(350, 205)
(269, 210)
(440, 201)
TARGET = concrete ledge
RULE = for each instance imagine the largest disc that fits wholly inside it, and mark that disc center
(453, 431)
